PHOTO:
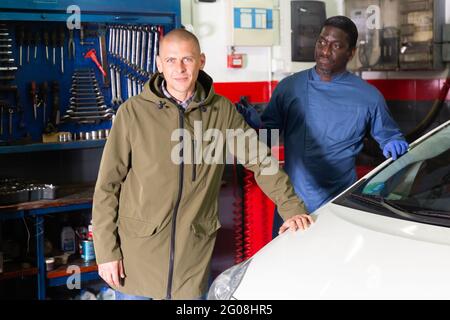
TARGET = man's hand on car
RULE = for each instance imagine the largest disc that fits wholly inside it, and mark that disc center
(300, 221)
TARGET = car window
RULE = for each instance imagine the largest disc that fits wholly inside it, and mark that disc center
(420, 179)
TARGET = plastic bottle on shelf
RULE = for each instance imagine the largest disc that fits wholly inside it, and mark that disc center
(68, 240)
(90, 235)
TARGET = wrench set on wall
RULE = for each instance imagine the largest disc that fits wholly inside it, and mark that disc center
(133, 50)
(87, 104)
(9, 98)
(7, 67)
(51, 79)
(36, 86)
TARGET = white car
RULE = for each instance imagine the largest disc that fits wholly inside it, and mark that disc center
(385, 237)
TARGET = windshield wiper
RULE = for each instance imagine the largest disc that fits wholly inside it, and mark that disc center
(433, 217)
(372, 200)
(422, 215)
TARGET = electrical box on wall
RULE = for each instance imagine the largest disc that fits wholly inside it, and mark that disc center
(397, 34)
(235, 60)
(307, 18)
(251, 22)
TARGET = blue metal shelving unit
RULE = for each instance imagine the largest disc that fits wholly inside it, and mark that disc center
(36, 147)
(39, 215)
(166, 13)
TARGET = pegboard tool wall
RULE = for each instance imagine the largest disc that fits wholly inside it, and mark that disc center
(97, 18)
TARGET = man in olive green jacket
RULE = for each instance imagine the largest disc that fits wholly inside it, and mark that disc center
(155, 217)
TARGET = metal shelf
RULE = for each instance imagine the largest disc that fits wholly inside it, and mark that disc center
(16, 271)
(59, 276)
(37, 147)
(70, 198)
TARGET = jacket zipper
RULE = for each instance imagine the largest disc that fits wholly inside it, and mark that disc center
(194, 166)
(175, 212)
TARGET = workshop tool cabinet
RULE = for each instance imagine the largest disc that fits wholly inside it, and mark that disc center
(124, 35)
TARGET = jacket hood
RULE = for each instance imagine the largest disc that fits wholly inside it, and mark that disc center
(204, 91)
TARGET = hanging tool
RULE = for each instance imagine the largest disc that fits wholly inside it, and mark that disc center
(157, 30)
(71, 45)
(43, 94)
(46, 42)
(138, 48)
(113, 84)
(133, 45)
(148, 63)
(8, 68)
(20, 37)
(87, 99)
(129, 84)
(118, 86)
(54, 36)
(143, 50)
(34, 98)
(11, 111)
(62, 36)
(120, 37)
(91, 55)
(124, 43)
(128, 46)
(110, 35)
(86, 90)
(78, 113)
(55, 93)
(98, 118)
(82, 42)
(37, 40)
(81, 34)
(29, 40)
(54, 119)
(103, 55)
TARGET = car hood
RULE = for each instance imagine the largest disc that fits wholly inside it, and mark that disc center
(350, 254)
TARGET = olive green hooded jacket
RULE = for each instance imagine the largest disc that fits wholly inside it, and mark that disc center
(158, 213)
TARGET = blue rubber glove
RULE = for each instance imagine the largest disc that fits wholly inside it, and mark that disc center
(395, 149)
(251, 116)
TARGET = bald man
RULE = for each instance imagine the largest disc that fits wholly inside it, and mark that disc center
(155, 211)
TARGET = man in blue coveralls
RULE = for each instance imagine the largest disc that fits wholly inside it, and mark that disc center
(323, 114)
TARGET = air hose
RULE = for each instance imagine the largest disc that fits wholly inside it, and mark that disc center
(434, 111)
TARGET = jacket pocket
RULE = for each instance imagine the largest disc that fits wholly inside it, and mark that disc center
(345, 124)
(206, 228)
(327, 127)
(133, 228)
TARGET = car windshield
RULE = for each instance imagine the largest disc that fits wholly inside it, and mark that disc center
(417, 183)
